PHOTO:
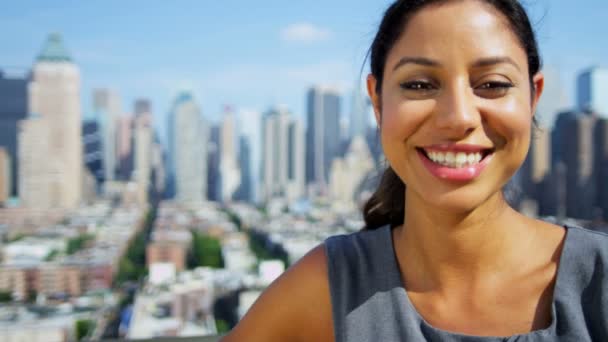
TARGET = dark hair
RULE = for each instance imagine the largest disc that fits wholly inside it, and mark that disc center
(386, 205)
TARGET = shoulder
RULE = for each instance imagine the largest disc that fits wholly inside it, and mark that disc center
(583, 280)
(295, 307)
(585, 256)
(589, 242)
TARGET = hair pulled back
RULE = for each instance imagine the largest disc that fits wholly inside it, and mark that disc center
(386, 205)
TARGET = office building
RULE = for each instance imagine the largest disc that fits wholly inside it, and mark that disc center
(108, 109)
(13, 108)
(229, 173)
(54, 102)
(592, 87)
(5, 176)
(188, 146)
(323, 138)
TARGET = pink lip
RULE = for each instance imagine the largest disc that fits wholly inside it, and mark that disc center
(463, 174)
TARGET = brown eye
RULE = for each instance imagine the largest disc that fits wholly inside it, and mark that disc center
(493, 89)
(418, 89)
(417, 85)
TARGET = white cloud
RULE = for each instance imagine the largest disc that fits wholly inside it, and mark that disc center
(305, 33)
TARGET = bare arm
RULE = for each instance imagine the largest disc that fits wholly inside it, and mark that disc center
(295, 307)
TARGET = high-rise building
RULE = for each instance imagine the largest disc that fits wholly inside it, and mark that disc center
(592, 88)
(107, 107)
(600, 157)
(54, 96)
(142, 156)
(323, 138)
(142, 106)
(536, 169)
(40, 177)
(188, 142)
(5, 176)
(13, 108)
(296, 174)
(230, 175)
(251, 130)
(275, 153)
(124, 148)
(159, 170)
(282, 156)
(245, 190)
(359, 113)
(349, 172)
(93, 149)
(577, 154)
(213, 165)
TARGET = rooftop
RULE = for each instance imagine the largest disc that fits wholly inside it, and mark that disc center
(54, 50)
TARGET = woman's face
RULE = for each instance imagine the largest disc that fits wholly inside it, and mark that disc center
(455, 109)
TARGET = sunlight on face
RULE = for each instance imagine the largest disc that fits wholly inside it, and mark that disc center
(457, 76)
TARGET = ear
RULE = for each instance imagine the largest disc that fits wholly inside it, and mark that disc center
(538, 81)
(374, 97)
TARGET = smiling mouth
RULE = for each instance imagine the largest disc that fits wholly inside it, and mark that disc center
(456, 159)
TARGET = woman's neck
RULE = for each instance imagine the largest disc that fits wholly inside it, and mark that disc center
(440, 249)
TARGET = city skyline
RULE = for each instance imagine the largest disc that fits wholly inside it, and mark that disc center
(250, 63)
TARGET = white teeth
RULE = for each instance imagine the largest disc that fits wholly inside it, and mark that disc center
(461, 158)
(449, 158)
(454, 160)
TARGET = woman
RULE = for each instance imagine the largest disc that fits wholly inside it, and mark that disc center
(454, 86)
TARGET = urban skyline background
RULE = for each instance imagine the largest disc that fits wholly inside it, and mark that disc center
(253, 55)
(160, 165)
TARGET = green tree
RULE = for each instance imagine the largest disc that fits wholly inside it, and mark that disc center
(84, 327)
(222, 326)
(206, 251)
(52, 255)
(77, 243)
(132, 266)
(5, 296)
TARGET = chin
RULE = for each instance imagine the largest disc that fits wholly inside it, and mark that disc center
(463, 200)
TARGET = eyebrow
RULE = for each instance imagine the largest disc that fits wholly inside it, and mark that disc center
(490, 61)
(480, 63)
(416, 60)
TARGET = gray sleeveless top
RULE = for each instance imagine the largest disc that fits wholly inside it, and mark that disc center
(369, 302)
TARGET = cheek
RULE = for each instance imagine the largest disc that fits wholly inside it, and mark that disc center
(512, 119)
(401, 118)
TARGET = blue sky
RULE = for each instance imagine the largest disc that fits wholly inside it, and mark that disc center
(251, 54)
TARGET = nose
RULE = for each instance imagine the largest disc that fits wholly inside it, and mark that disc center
(457, 114)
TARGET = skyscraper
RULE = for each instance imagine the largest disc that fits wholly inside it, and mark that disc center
(142, 156)
(230, 175)
(577, 154)
(359, 113)
(108, 109)
(93, 149)
(282, 156)
(296, 174)
(40, 176)
(13, 108)
(537, 167)
(251, 130)
(213, 165)
(600, 157)
(54, 97)
(5, 176)
(245, 191)
(124, 148)
(188, 158)
(323, 134)
(592, 89)
(275, 153)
